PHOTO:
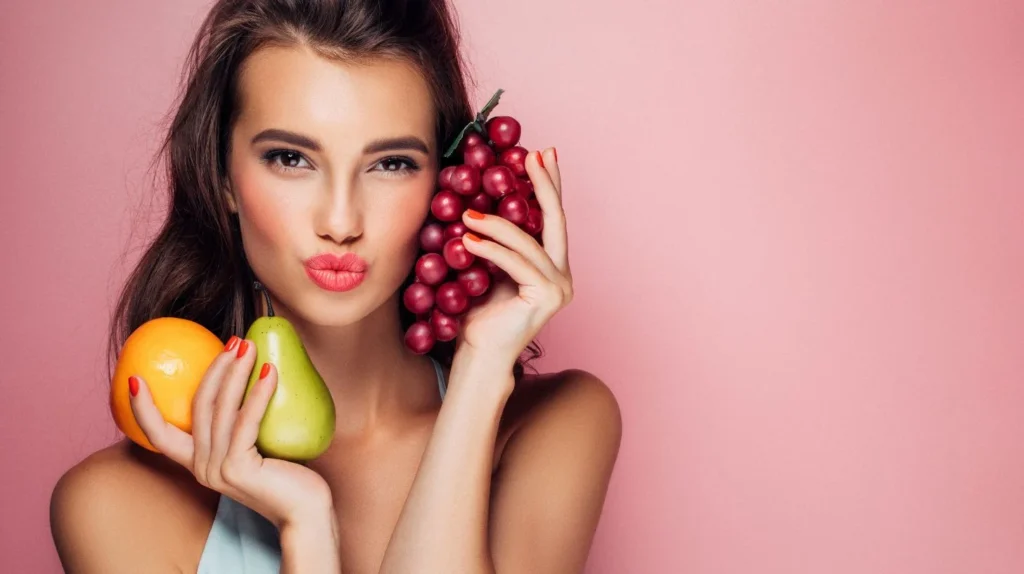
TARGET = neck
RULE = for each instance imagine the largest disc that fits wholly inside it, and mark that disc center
(373, 377)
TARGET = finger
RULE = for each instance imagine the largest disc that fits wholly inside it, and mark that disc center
(506, 233)
(518, 267)
(554, 233)
(247, 424)
(170, 440)
(227, 403)
(202, 407)
(550, 156)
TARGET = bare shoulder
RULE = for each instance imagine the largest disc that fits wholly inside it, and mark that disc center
(574, 405)
(548, 491)
(118, 509)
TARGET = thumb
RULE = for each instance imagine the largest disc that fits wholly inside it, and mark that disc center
(173, 442)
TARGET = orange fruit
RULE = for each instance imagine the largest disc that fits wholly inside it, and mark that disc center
(171, 355)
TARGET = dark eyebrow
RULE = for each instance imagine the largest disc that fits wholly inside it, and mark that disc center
(386, 144)
(289, 137)
(395, 144)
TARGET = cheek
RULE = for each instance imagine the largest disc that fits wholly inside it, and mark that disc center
(263, 215)
(406, 219)
(257, 206)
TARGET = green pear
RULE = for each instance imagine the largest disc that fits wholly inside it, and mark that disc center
(298, 424)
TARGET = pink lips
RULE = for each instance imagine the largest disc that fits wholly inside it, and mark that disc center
(336, 272)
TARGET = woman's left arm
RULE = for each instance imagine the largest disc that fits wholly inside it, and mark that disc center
(550, 487)
(540, 513)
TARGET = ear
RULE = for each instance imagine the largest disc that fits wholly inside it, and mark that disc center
(229, 197)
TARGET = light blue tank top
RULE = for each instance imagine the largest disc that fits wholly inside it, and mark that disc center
(242, 541)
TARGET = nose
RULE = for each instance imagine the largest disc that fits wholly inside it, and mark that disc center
(339, 215)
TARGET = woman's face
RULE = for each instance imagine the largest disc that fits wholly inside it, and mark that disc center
(331, 158)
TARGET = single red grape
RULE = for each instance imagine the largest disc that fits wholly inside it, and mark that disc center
(504, 131)
(471, 139)
(457, 229)
(492, 268)
(479, 156)
(432, 238)
(431, 269)
(451, 298)
(514, 158)
(444, 178)
(447, 206)
(534, 223)
(482, 202)
(475, 279)
(514, 208)
(445, 327)
(419, 338)
(456, 255)
(418, 298)
(524, 188)
(498, 181)
(533, 203)
(465, 180)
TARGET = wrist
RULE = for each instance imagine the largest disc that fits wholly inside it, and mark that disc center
(313, 514)
(310, 546)
(311, 528)
(483, 372)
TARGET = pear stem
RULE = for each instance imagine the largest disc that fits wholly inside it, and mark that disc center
(266, 297)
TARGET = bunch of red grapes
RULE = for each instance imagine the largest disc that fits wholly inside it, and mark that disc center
(449, 280)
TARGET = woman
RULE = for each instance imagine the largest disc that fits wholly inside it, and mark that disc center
(317, 127)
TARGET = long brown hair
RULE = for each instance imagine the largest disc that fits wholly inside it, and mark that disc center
(195, 267)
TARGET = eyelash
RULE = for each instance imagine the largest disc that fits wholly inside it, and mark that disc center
(272, 156)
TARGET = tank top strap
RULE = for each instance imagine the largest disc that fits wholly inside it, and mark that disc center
(442, 384)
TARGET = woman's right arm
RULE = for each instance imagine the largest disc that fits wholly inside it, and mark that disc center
(221, 454)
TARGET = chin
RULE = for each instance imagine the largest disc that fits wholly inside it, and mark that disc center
(339, 309)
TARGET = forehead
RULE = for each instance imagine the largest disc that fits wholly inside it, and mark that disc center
(335, 101)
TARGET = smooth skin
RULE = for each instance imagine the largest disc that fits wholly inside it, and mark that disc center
(498, 478)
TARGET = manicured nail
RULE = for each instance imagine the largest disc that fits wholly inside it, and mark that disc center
(471, 236)
(231, 343)
(474, 214)
(133, 385)
(540, 159)
(265, 370)
(242, 348)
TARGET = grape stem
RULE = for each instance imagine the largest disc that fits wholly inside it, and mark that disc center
(477, 124)
(266, 297)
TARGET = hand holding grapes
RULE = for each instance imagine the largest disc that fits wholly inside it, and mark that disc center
(536, 282)
(498, 286)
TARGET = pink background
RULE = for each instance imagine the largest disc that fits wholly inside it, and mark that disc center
(798, 248)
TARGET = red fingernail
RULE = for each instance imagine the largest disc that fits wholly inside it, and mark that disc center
(231, 344)
(133, 385)
(540, 159)
(265, 370)
(242, 348)
(472, 237)
(474, 214)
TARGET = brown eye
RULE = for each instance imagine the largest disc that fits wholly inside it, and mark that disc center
(392, 164)
(396, 165)
(285, 160)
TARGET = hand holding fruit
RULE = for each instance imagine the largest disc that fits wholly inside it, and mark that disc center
(512, 197)
(174, 377)
(221, 452)
(538, 283)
